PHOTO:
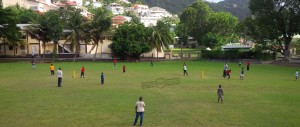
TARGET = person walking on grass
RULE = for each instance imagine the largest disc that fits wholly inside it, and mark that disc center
(220, 94)
(82, 72)
(139, 111)
(242, 74)
(59, 76)
(185, 70)
(52, 69)
(102, 78)
(296, 74)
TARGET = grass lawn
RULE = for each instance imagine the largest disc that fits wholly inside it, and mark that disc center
(269, 96)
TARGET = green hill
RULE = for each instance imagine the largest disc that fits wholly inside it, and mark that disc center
(238, 8)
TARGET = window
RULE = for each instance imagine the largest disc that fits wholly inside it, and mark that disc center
(10, 47)
(22, 47)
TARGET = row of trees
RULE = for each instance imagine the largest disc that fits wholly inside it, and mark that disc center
(274, 20)
(273, 24)
(208, 28)
(55, 25)
(129, 40)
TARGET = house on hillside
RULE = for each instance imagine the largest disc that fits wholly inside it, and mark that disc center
(118, 20)
(115, 8)
(42, 6)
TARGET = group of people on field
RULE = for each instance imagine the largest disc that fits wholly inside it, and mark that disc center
(227, 71)
(139, 106)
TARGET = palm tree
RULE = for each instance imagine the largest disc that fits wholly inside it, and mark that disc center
(75, 24)
(100, 23)
(160, 37)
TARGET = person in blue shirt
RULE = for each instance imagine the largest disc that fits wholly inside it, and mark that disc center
(102, 78)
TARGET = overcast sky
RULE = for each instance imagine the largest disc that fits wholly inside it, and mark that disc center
(214, 0)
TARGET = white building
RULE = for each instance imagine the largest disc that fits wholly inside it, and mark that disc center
(115, 8)
(158, 12)
(149, 16)
(140, 9)
(94, 3)
(125, 1)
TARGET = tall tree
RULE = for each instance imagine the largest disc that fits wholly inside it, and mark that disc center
(100, 23)
(280, 15)
(9, 31)
(161, 37)
(56, 28)
(222, 26)
(195, 19)
(75, 25)
(130, 41)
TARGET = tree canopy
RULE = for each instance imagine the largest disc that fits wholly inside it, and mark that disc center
(130, 41)
(281, 17)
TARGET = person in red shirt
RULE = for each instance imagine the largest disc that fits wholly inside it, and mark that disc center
(82, 72)
(115, 63)
(124, 69)
(248, 65)
(228, 73)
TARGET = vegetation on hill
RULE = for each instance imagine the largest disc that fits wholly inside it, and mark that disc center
(238, 8)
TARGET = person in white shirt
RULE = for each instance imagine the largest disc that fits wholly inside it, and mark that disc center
(297, 74)
(139, 110)
(59, 76)
(184, 70)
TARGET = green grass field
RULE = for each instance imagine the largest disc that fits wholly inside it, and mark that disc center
(269, 96)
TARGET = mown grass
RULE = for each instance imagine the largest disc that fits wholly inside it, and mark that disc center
(268, 96)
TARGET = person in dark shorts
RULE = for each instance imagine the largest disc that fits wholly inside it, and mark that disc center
(220, 94)
(185, 70)
(102, 78)
(248, 65)
(242, 74)
(124, 69)
(52, 69)
(59, 76)
(82, 72)
(296, 74)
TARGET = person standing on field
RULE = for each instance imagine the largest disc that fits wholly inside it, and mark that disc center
(59, 76)
(248, 65)
(82, 72)
(102, 78)
(139, 111)
(225, 69)
(52, 69)
(242, 74)
(220, 94)
(115, 63)
(296, 74)
(124, 69)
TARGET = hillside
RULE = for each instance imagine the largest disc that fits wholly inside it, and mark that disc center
(238, 8)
